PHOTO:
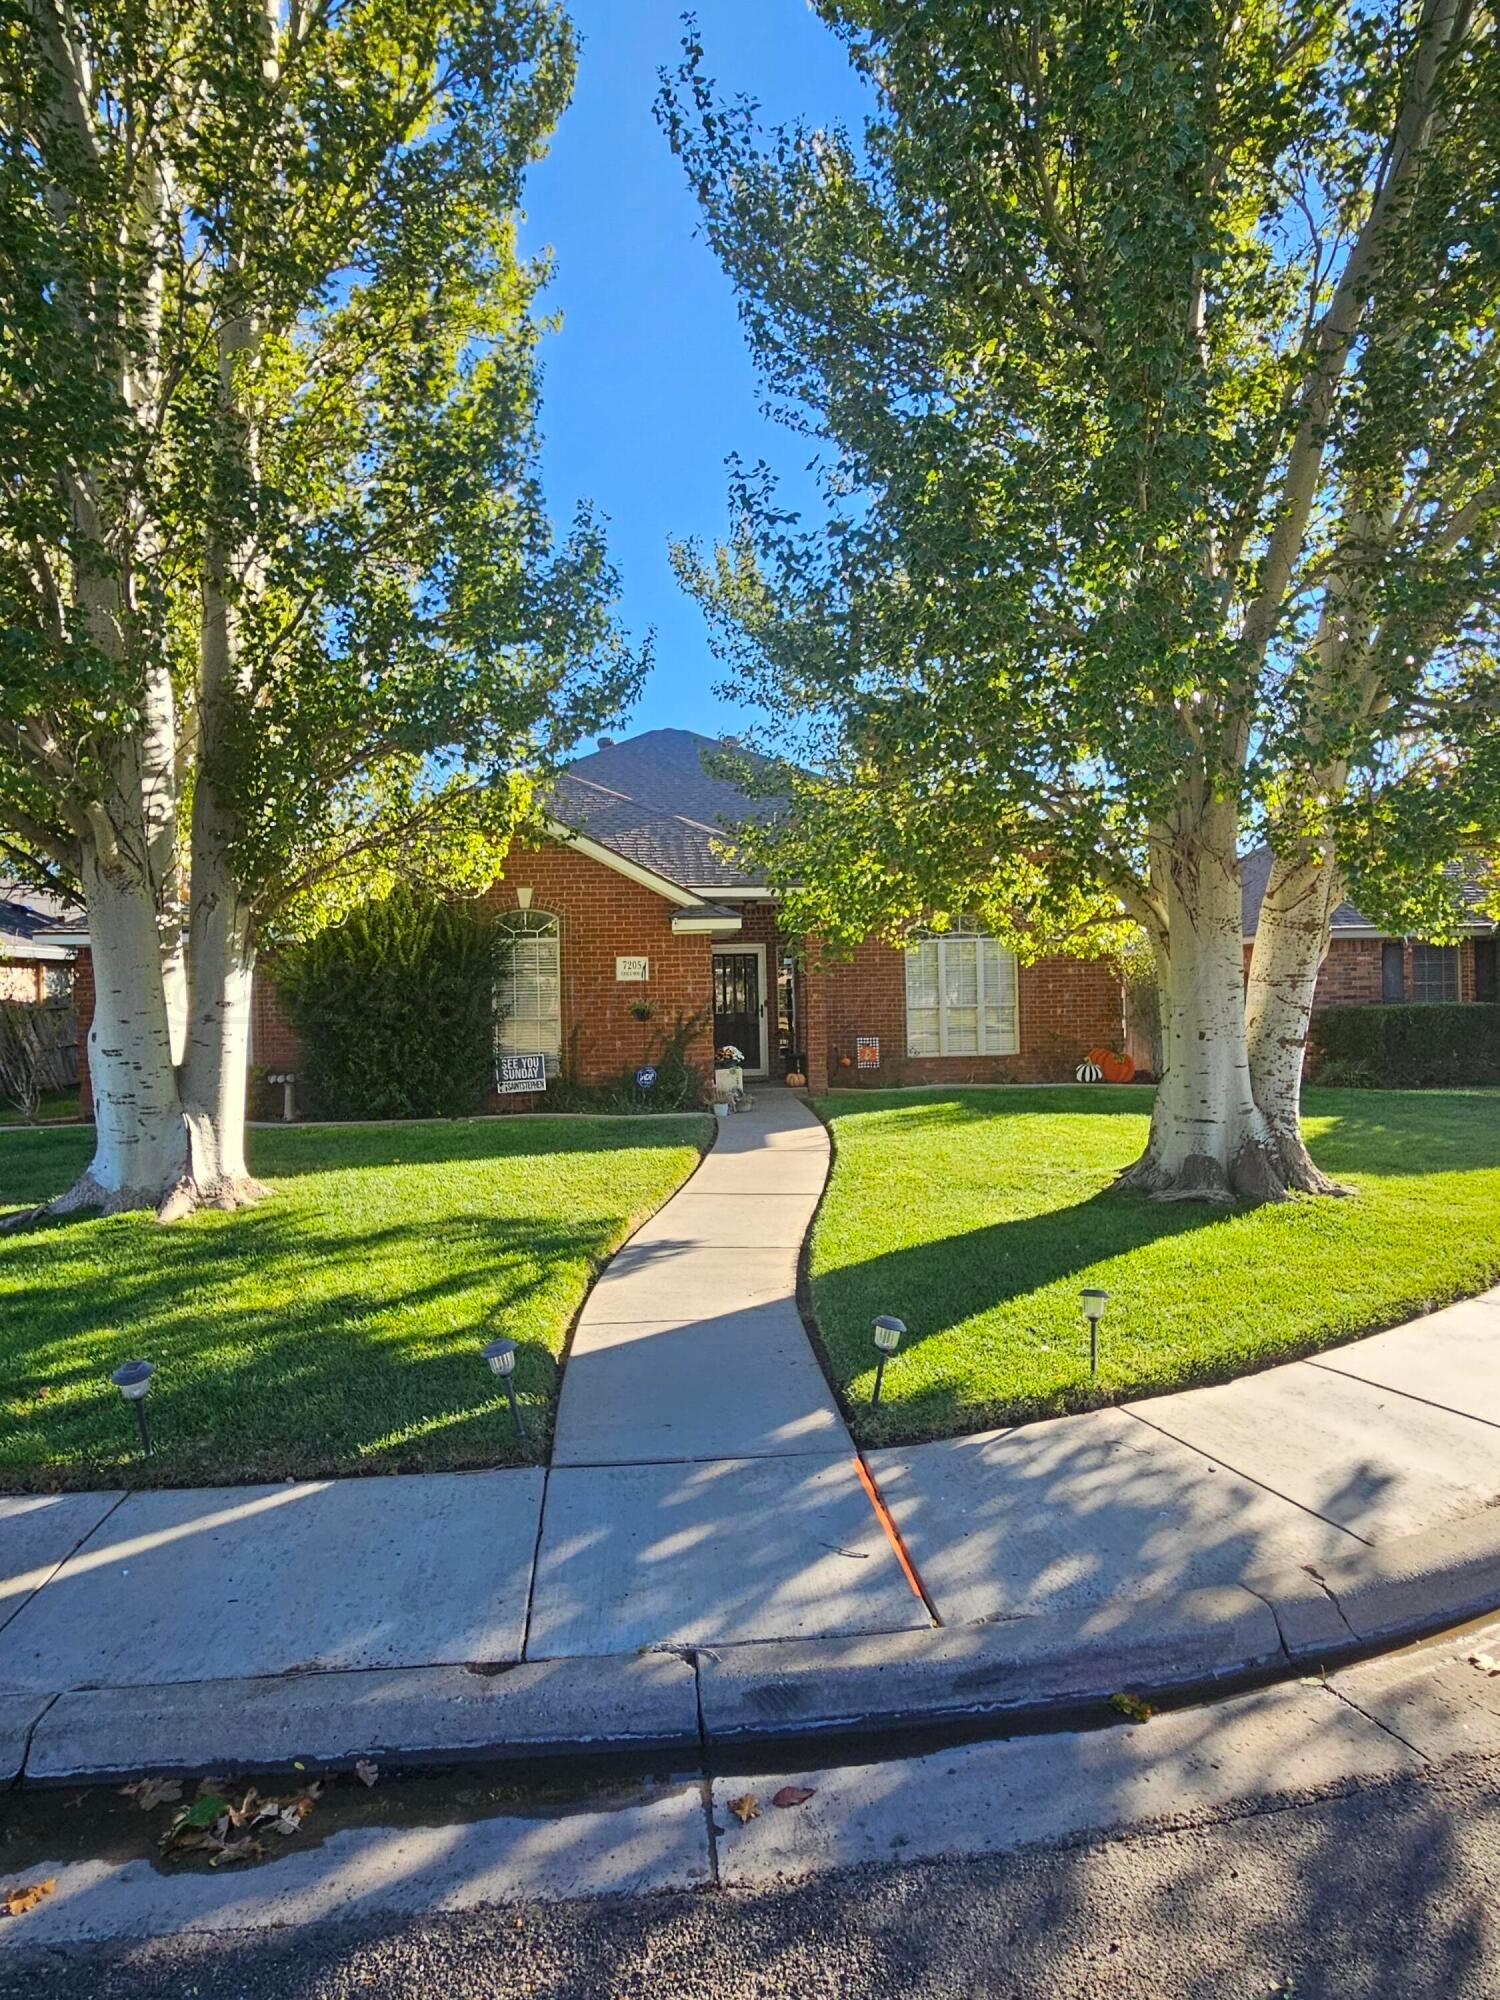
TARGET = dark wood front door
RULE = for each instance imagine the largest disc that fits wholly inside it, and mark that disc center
(739, 1005)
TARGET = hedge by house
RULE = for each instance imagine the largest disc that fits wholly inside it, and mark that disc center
(395, 1008)
(1411, 1047)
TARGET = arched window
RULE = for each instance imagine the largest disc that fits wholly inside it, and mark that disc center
(961, 996)
(530, 993)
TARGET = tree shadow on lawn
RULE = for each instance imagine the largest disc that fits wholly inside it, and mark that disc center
(940, 1284)
(1388, 1133)
(264, 1372)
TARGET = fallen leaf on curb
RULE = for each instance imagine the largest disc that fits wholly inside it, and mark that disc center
(745, 1808)
(149, 1793)
(1486, 1663)
(207, 1785)
(366, 1771)
(26, 1895)
(1133, 1706)
(193, 1825)
(794, 1795)
(244, 1849)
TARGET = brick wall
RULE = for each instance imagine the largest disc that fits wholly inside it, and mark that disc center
(83, 1012)
(1353, 972)
(1066, 1006)
(601, 916)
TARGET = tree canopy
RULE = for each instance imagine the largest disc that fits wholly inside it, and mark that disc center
(286, 619)
(1149, 354)
(1147, 344)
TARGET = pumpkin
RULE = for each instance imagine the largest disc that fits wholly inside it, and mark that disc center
(795, 1080)
(1088, 1072)
(1097, 1056)
(1117, 1068)
(846, 1062)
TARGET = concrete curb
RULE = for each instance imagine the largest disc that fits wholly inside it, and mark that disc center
(412, 1716)
(1033, 1671)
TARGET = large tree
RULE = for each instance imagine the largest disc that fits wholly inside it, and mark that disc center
(1150, 355)
(284, 618)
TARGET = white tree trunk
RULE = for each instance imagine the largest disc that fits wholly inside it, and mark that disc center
(1291, 942)
(140, 1136)
(1208, 1141)
(221, 960)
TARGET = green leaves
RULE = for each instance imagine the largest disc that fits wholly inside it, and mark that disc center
(1152, 356)
(273, 381)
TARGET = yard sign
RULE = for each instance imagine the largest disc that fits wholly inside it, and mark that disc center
(520, 1073)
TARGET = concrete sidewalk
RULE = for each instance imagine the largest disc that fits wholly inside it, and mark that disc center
(703, 1483)
(706, 1493)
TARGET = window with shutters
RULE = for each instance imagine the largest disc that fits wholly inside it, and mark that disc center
(961, 997)
(530, 992)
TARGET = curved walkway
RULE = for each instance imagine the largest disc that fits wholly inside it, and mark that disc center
(703, 1484)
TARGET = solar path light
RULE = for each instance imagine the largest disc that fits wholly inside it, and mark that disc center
(886, 1334)
(133, 1380)
(1093, 1312)
(501, 1355)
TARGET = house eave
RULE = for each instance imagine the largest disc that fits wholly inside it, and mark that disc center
(633, 871)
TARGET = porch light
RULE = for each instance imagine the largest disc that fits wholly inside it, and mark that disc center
(133, 1380)
(886, 1334)
(501, 1355)
(523, 899)
(1093, 1312)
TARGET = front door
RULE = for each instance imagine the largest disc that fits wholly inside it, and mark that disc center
(740, 1003)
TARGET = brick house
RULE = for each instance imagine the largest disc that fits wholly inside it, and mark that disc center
(35, 956)
(628, 905)
(1366, 966)
(629, 909)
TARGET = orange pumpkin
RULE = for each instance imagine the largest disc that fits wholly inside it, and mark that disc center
(1098, 1056)
(1117, 1068)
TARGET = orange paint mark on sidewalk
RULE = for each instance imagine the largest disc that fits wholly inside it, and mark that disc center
(893, 1536)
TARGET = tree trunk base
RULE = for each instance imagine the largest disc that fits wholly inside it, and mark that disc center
(87, 1196)
(228, 1192)
(1275, 1168)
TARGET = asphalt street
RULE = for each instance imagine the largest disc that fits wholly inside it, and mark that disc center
(1384, 1892)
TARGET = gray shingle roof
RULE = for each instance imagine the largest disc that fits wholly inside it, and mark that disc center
(650, 799)
(1255, 872)
(26, 914)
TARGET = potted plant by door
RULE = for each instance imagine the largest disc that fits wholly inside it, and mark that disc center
(729, 1073)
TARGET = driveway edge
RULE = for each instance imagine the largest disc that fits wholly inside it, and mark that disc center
(1036, 1672)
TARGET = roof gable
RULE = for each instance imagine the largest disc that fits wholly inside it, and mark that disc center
(650, 799)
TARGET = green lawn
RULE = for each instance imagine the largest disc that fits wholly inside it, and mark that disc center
(976, 1216)
(54, 1104)
(337, 1326)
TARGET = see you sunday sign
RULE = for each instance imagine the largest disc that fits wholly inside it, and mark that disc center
(520, 1073)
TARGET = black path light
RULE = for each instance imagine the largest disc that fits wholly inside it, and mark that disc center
(1093, 1312)
(501, 1355)
(133, 1380)
(886, 1334)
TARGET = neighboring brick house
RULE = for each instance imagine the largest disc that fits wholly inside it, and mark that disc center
(1366, 966)
(34, 956)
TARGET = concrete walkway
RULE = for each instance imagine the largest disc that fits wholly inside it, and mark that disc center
(703, 1483)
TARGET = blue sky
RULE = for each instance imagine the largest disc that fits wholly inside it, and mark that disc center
(649, 386)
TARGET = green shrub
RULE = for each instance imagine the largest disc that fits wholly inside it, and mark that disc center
(678, 1086)
(396, 1009)
(1407, 1047)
